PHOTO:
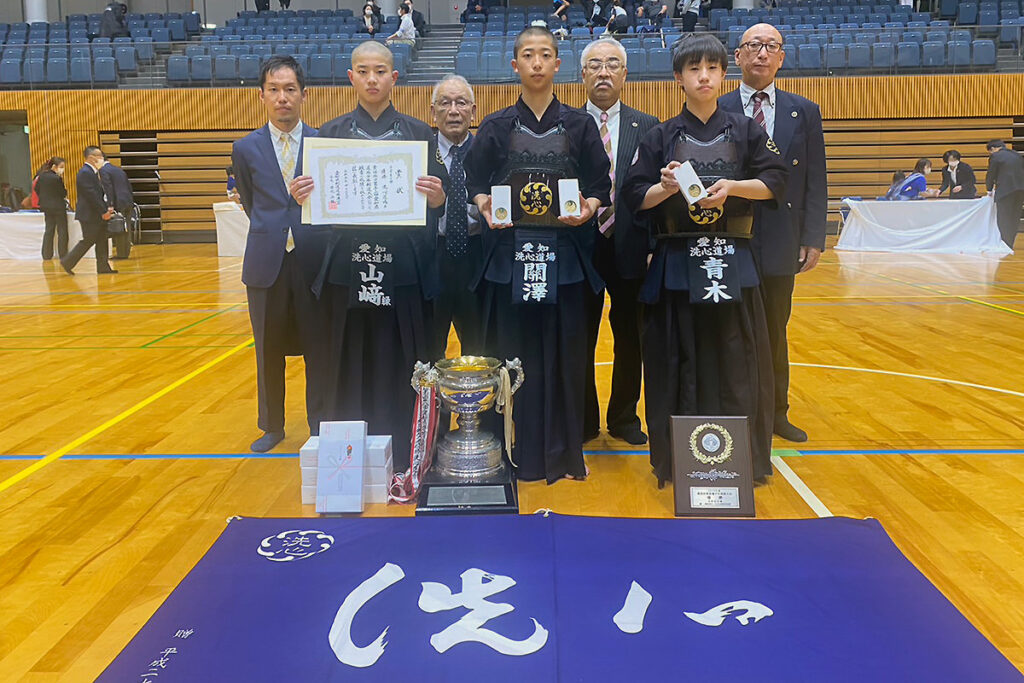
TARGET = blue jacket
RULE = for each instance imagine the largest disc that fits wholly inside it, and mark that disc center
(92, 201)
(272, 211)
(798, 219)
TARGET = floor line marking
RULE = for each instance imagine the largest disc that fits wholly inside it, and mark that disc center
(893, 373)
(186, 327)
(800, 487)
(67, 448)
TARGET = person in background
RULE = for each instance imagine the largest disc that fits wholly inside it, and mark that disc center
(113, 25)
(117, 187)
(232, 184)
(472, 8)
(1006, 176)
(688, 10)
(53, 202)
(619, 22)
(915, 185)
(371, 20)
(958, 177)
(406, 32)
(418, 20)
(92, 211)
(649, 16)
(897, 180)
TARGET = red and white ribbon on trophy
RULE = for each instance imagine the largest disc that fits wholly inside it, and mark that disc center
(406, 485)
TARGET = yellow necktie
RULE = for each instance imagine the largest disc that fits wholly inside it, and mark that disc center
(287, 172)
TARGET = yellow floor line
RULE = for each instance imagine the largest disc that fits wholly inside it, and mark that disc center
(67, 448)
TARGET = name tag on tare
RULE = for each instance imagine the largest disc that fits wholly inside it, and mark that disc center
(569, 196)
(689, 183)
(501, 204)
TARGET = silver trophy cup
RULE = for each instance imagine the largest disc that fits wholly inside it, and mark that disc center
(468, 386)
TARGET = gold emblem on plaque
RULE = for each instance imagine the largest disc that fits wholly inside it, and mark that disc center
(702, 216)
(710, 443)
(501, 214)
(535, 198)
(570, 206)
(694, 190)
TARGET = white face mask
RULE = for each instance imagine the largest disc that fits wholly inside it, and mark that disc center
(953, 163)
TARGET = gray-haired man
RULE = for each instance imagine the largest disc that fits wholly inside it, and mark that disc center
(620, 251)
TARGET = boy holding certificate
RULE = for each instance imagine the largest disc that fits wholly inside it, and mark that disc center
(379, 280)
(705, 336)
(550, 172)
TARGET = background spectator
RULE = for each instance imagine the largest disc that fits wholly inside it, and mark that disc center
(406, 32)
(53, 202)
(371, 21)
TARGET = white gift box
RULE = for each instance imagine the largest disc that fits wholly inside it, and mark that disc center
(375, 494)
(341, 459)
(501, 204)
(309, 475)
(569, 197)
(308, 452)
(378, 451)
(376, 476)
(689, 183)
(309, 493)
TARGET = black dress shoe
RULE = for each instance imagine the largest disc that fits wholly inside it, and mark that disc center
(266, 442)
(789, 432)
(631, 435)
(66, 267)
(761, 481)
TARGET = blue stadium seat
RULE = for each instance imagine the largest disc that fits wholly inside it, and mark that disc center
(493, 64)
(10, 71)
(913, 37)
(225, 69)
(56, 71)
(176, 28)
(983, 53)
(958, 53)
(908, 55)
(659, 62)
(216, 50)
(858, 56)
(81, 70)
(809, 57)
(81, 52)
(988, 23)
(467, 63)
(1009, 32)
(161, 39)
(960, 34)
(933, 54)
(34, 71)
(966, 13)
(126, 62)
(835, 56)
(102, 51)
(636, 60)
(200, 70)
(104, 70)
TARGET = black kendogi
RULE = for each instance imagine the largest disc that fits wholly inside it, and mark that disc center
(376, 342)
(513, 148)
(704, 353)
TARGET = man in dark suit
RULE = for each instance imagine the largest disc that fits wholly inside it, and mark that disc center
(958, 176)
(620, 249)
(92, 211)
(1006, 175)
(281, 253)
(458, 247)
(118, 187)
(789, 238)
(418, 20)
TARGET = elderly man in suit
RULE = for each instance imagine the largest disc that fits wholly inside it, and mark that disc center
(1006, 175)
(117, 186)
(789, 238)
(93, 210)
(620, 249)
(281, 253)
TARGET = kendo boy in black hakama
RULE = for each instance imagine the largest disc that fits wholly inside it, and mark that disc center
(705, 335)
(537, 263)
(379, 281)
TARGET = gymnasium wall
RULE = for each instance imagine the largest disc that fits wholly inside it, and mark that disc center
(873, 126)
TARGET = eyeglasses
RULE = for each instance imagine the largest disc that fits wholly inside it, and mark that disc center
(755, 46)
(447, 104)
(613, 65)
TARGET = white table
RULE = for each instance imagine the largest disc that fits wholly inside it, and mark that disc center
(940, 226)
(21, 235)
(232, 228)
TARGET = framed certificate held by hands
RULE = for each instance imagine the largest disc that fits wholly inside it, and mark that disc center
(364, 182)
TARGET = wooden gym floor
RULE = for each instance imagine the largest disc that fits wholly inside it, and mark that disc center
(130, 403)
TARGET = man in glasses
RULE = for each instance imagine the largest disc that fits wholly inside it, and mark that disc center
(458, 244)
(790, 235)
(620, 249)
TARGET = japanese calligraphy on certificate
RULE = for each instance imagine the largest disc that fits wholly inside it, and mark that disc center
(364, 182)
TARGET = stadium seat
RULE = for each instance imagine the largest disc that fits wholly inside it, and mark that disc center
(983, 53)
(177, 69)
(81, 70)
(958, 53)
(34, 71)
(56, 71)
(126, 62)
(809, 57)
(858, 56)
(966, 13)
(908, 55)
(1009, 32)
(225, 69)
(104, 70)
(659, 62)
(10, 71)
(636, 59)
(493, 65)
(321, 68)
(835, 56)
(200, 71)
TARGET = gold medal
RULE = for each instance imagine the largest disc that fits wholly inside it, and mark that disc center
(501, 214)
(535, 198)
(570, 206)
(694, 190)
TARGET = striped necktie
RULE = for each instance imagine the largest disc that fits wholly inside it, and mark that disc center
(759, 97)
(606, 217)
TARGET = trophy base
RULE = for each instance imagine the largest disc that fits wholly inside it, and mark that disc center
(440, 496)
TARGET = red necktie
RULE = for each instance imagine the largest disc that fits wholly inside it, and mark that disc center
(759, 97)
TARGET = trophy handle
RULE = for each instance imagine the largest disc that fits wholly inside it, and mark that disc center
(423, 374)
(516, 365)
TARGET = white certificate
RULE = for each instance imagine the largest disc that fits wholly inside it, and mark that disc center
(364, 182)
